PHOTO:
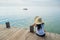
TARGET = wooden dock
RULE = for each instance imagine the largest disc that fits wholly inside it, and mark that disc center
(24, 34)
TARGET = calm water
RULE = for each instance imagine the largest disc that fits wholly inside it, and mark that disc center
(49, 10)
(24, 18)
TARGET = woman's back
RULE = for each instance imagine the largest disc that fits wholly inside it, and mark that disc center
(40, 29)
(39, 24)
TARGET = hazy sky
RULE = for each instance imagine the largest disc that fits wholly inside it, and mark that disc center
(29, 2)
(13, 7)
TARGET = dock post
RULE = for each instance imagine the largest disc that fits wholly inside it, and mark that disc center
(32, 29)
(7, 25)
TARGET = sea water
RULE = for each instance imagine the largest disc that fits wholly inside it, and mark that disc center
(24, 18)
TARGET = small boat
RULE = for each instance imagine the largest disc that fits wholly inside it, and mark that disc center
(25, 9)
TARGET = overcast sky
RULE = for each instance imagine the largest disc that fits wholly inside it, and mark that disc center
(12, 7)
(29, 2)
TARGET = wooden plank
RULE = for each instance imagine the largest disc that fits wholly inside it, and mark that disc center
(4, 34)
(31, 36)
(19, 35)
(12, 31)
(14, 36)
(24, 34)
(52, 36)
(57, 37)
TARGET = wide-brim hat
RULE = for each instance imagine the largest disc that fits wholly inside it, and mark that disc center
(38, 22)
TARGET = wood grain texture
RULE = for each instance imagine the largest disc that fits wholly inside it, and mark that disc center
(24, 34)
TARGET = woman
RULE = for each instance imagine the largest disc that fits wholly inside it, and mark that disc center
(39, 24)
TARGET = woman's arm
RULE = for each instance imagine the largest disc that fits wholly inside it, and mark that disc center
(34, 24)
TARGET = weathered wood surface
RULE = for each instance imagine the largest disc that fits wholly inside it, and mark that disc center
(24, 34)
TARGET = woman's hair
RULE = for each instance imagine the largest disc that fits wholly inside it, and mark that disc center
(39, 26)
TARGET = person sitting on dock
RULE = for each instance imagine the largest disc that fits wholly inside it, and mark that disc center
(39, 24)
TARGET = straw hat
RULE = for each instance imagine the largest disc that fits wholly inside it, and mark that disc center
(38, 20)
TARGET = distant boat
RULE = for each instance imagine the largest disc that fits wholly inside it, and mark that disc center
(25, 9)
